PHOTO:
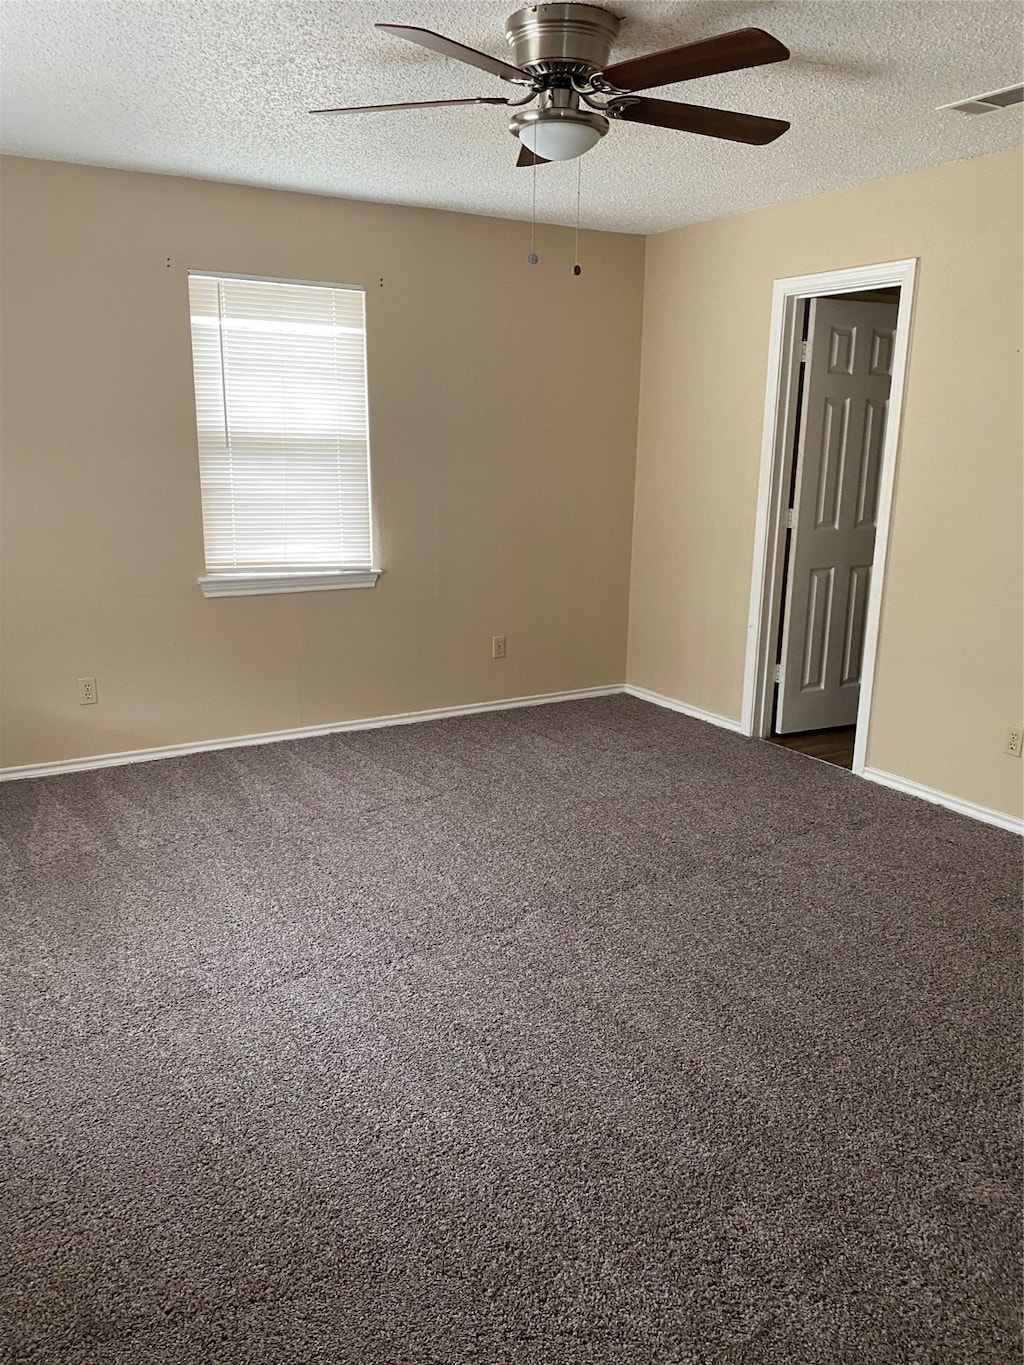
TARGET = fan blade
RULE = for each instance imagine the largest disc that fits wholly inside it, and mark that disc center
(710, 57)
(437, 42)
(695, 118)
(415, 104)
(528, 158)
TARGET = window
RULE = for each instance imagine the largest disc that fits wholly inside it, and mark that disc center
(284, 459)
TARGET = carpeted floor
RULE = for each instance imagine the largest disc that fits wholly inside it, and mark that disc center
(565, 1036)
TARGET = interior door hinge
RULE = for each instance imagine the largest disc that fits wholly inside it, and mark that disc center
(778, 673)
(789, 518)
(803, 351)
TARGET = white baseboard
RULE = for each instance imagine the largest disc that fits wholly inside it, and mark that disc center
(77, 765)
(670, 703)
(74, 765)
(884, 779)
(937, 798)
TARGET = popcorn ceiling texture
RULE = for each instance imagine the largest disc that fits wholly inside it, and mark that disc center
(220, 91)
(579, 1035)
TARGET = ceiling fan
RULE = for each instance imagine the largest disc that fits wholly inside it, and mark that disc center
(560, 56)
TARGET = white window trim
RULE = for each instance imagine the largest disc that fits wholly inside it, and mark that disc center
(264, 580)
(260, 583)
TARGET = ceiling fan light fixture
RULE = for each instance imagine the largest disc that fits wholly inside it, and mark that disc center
(560, 53)
(558, 134)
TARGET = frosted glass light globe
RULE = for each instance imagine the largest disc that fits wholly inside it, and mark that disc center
(560, 139)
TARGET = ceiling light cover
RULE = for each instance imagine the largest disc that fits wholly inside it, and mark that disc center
(559, 141)
(558, 133)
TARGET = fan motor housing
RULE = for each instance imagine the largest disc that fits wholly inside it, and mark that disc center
(561, 40)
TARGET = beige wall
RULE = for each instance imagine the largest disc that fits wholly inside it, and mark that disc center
(503, 444)
(503, 448)
(949, 676)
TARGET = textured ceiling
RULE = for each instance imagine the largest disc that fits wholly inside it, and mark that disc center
(220, 90)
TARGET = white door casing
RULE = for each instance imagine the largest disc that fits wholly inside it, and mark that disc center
(845, 400)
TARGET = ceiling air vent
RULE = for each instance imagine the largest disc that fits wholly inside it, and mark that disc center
(986, 104)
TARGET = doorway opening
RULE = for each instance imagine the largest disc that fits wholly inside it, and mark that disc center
(836, 374)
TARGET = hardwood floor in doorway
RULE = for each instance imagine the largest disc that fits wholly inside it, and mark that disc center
(831, 746)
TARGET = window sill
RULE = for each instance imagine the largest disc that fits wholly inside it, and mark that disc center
(255, 584)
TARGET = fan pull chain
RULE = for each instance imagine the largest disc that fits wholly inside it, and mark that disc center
(577, 269)
(532, 258)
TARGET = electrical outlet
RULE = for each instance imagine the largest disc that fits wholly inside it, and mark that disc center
(497, 646)
(87, 692)
(1014, 741)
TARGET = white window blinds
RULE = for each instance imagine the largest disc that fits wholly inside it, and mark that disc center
(280, 378)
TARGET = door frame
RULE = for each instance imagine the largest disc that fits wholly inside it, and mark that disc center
(777, 446)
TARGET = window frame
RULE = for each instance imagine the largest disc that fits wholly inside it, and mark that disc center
(256, 581)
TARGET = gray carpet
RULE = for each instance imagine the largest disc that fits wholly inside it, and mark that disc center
(565, 1036)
